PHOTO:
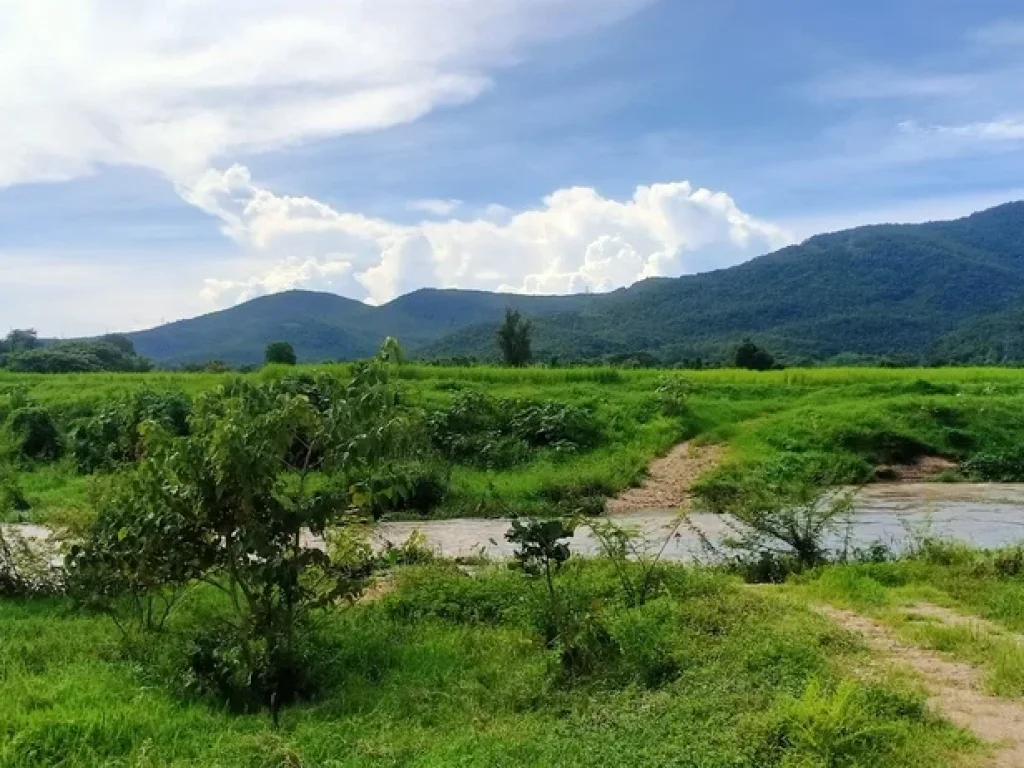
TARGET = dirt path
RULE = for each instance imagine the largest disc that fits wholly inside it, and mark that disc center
(668, 481)
(954, 688)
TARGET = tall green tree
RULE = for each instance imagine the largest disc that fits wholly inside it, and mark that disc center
(391, 351)
(281, 353)
(514, 339)
(752, 357)
(19, 340)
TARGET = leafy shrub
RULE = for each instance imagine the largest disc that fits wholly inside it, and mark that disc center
(12, 497)
(111, 438)
(1006, 466)
(764, 566)
(576, 498)
(410, 486)
(1008, 563)
(223, 506)
(882, 446)
(415, 550)
(781, 517)
(243, 672)
(836, 727)
(672, 394)
(349, 546)
(494, 433)
(553, 425)
(35, 432)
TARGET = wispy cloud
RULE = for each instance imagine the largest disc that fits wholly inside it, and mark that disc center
(993, 131)
(436, 207)
(173, 85)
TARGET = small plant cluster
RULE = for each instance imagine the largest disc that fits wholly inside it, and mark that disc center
(672, 394)
(784, 517)
(494, 433)
(592, 635)
(406, 485)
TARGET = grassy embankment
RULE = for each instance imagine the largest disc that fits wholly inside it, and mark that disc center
(451, 669)
(848, 419)
(979, 595)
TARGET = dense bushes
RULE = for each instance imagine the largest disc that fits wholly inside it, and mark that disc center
(114, 353)
(495, 433)
(1005, 466)
(35, 433)
(415, 486)
(111, 438)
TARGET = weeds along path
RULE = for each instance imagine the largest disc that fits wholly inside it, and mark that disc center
(954, 689)
(951, 618)
(668, 481)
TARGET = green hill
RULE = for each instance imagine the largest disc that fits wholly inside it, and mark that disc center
(951, 289)
(880, 290)
(325, 326)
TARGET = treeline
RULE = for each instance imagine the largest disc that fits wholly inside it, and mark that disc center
(515, 348)
(22, 351)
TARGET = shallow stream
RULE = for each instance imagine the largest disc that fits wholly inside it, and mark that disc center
(983, 515)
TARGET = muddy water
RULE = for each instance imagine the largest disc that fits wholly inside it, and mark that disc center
(984, 515)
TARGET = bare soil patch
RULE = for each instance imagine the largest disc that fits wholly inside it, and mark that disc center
(954, 689)
(668, 481)
(925, 468)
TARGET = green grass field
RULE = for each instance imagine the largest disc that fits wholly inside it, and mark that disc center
(449, 670)
(851, 420)
(452, 668)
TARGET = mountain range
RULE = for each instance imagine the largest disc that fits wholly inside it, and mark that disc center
(949, 290)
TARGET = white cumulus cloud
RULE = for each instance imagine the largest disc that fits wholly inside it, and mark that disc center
(576, 240)
(172, 85)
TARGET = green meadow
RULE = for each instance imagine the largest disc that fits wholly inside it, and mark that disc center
(848, 421)
(480, 664)
(449, 669)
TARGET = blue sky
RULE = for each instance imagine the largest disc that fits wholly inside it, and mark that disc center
(179, 157)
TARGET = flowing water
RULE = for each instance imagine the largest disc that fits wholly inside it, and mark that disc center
(983, 515)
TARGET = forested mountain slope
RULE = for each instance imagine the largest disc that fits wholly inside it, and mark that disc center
(953, 289)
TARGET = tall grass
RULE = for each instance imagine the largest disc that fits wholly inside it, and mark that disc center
(450, 670)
